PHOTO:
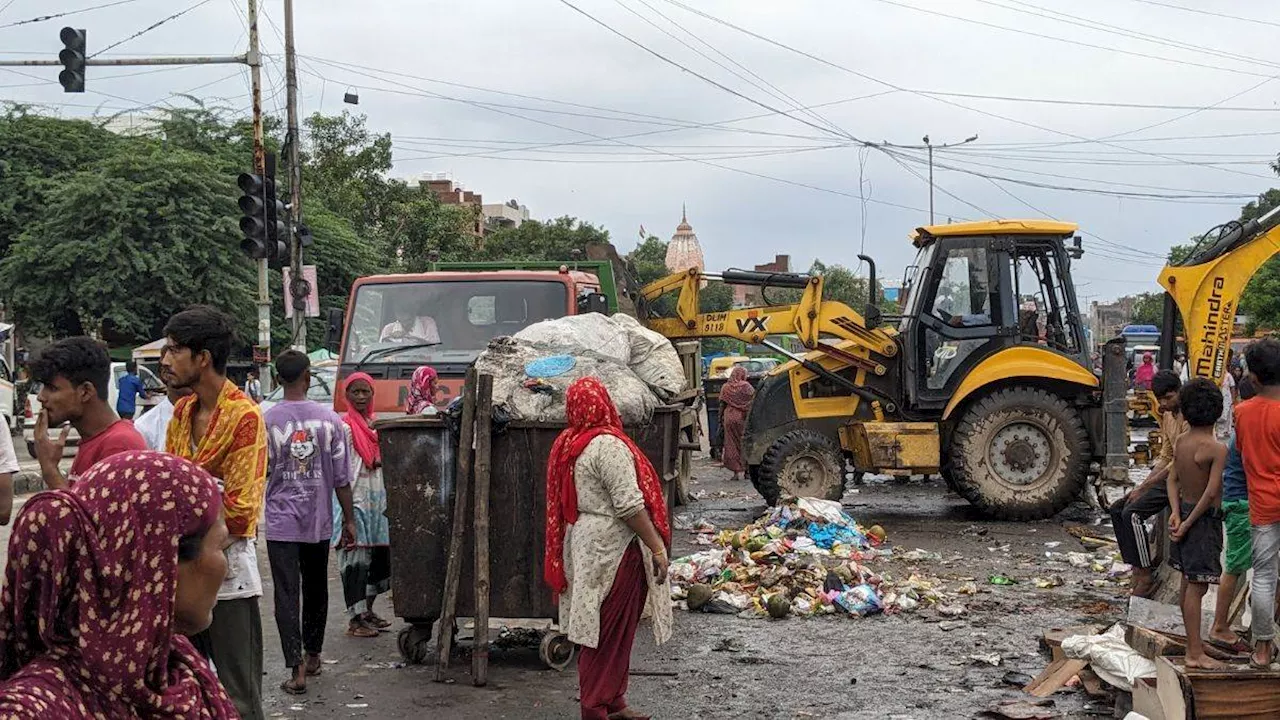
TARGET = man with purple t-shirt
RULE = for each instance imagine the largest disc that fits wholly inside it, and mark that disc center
(307, 466)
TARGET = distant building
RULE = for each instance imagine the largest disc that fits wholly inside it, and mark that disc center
(488, 218)
(1107, 319)
(510, 214)
(747, 296)
(133, 123)
(684, 251)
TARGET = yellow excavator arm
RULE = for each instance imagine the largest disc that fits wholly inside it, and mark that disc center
(1206, 287)
(809, 320)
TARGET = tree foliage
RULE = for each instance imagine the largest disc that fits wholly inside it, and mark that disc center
(1148, 309)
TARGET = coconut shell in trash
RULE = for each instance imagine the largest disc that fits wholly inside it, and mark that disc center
(878, 533)
(699, 595)
(778, 605)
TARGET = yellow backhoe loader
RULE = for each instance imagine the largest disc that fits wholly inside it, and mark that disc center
(985, 377)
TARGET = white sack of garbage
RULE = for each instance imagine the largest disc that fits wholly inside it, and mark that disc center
(620, 338)
(507, 358)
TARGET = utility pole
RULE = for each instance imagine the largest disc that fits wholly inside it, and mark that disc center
(260, 168)
(931, 146)
(299, 287)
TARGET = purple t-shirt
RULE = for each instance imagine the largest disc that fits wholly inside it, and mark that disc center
(307, 452)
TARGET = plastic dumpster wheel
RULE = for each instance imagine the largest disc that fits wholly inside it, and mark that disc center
(556, 652)
(415, 644)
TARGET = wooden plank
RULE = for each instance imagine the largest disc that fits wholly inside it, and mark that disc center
(1239, 694)
(1146, 700)
(453, 567)
(484, 445)
(1169, 691)
(1092, 684)
(1054, 677)
(1152, 644)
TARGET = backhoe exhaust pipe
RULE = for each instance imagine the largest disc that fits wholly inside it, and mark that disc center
(873, 314)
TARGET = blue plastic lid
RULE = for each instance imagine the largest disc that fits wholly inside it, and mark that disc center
(549, 367)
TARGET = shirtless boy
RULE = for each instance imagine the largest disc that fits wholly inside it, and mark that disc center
(1195, 521)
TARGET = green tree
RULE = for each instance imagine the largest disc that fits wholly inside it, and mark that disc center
(1148, 310)
(130, 241)
(564, 238)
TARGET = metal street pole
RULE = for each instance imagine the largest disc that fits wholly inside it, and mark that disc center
(299, 284)
(930, 146)
(130, 62)
(260, 168)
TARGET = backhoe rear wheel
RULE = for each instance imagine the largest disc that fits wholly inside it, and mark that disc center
(1019, 454)
(803, 463)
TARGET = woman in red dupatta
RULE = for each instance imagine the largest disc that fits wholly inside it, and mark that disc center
(606, 524)
(104, 581)
(735, 402)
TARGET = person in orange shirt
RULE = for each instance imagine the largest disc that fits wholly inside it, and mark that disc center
(221, 429)
(1258, 437)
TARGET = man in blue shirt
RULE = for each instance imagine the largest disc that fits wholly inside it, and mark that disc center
(1235, 514)
(130, 387)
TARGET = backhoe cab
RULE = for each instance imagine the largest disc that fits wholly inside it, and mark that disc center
(984, 379)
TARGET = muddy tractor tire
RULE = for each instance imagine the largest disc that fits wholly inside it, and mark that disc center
(803, 463)
(1019, 454)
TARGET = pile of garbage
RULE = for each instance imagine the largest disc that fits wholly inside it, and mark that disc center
(532, 369)
(805, 557)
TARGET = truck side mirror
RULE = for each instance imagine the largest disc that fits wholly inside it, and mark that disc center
(593, 303)
(333, 329)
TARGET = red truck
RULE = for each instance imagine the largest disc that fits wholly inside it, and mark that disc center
(444, 318)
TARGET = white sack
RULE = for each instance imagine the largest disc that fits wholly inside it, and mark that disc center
(1110, 657)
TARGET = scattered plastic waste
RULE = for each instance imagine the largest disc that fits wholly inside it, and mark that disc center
(1045, 583)
(992, 659)
(1001, 580)
(805, 557)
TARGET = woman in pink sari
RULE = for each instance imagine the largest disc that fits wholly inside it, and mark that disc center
(1143, 375)
(735, 402)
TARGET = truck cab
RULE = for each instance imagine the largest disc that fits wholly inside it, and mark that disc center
(395, 324)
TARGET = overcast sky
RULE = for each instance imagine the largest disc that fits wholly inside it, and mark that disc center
(788, 180)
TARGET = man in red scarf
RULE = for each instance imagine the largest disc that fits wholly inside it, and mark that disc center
(606, 525)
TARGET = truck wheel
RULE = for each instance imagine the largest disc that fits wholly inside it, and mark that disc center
(1019, 454)
(804, 463)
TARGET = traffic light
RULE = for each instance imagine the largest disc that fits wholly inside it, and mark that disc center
(265, 233)
(73, 60)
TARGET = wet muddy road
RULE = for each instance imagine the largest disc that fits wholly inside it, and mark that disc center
(720, 666)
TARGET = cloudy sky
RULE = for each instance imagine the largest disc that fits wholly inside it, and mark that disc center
(1151, 122)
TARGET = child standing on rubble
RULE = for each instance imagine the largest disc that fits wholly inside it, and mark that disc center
(1258, 436)
(1195, 521)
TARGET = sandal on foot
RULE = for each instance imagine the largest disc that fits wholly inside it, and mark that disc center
(314, 670)
(375, 622)
(361, 631)
(1270, 660)
(1239, 647)
(292, 688)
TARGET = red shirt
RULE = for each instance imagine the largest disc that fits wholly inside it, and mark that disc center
(119, 437)
(1258, 438)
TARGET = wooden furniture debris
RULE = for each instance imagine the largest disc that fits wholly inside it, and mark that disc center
(1239, 694)
(1146, 700)
(1152, 644)
(1055, 677)
(1052, 638)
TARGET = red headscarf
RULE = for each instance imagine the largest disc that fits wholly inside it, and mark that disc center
(738, 393)
(591, 413)
(422, 390)
(86, 628)
(363, 437)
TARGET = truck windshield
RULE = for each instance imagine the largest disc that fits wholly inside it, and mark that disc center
(460, 316)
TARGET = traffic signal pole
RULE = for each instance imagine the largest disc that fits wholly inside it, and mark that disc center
(299, 287)
(254, 59)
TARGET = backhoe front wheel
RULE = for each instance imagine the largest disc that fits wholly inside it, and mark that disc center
(1019, 454)
(802, 463)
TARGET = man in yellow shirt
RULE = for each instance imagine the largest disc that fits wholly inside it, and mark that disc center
(221, 429)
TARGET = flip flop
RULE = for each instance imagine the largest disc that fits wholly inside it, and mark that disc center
(291, 688)
(1239, 647)
(314, 671)
(1272, 660)
(362, 631)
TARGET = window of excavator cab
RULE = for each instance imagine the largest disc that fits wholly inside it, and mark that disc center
(457, 318)
(1044, 313)
(963, 297)
(915, 277)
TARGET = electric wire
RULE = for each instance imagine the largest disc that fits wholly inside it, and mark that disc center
(1198, 11)
(66, 13)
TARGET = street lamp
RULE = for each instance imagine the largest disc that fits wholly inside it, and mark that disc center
(931, 146)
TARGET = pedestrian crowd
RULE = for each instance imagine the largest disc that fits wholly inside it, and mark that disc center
(160, 516)
(1218, 476)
